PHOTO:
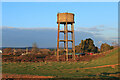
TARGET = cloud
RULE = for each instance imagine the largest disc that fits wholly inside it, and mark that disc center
(95, 29)
(26, 36)
(25, 28)
(91, 29)
(99, 42)
(114, 39)
(44, 37)
(112, 28)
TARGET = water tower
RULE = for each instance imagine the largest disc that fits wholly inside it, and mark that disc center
(66, 19)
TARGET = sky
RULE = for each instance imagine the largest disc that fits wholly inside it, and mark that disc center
(60, 0)
(98, 18)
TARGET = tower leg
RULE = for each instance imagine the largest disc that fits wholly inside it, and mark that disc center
(58, 42)
(66, 43)
(73, 43)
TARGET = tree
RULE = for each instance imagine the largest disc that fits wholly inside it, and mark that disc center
(105, 47)
(86, 46)
(34, 48)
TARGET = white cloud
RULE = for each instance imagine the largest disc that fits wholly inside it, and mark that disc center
(21, 36)
(25, 28)
(44, 37)
(99, 42)
(92, 29)
(95, 30)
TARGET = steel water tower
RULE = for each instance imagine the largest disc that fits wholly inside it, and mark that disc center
(66, 19)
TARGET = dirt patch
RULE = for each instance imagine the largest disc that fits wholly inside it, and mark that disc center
(6, 75)
(113, 66)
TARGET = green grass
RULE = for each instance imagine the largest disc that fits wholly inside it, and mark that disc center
(66, 69)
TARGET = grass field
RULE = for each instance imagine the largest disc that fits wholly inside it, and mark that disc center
(68, 69)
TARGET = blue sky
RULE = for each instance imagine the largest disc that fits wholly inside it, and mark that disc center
(43, 14)
(98, 18)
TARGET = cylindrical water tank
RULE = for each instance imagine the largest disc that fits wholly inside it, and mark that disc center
(65, 17)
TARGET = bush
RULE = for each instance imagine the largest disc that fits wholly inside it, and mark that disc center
(105, 47)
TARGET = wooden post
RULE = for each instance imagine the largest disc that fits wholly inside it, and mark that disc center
(58, 42)
(66, 43)
(73, 43)
(64, 39)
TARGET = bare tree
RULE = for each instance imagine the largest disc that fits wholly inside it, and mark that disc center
(34, 48)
